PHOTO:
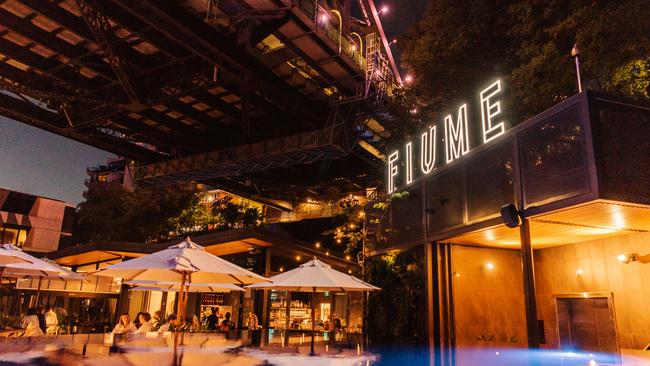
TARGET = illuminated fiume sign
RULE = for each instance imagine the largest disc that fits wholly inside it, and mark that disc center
(456, 137)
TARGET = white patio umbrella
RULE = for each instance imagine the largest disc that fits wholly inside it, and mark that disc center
(315, 276)
(185, 263)
(175, 286)
(33, 267)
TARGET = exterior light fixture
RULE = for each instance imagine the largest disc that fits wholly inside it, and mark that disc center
(349, 271)
(327, 253)
(324, 18)
(347, 257)
(627, 258)
(317, 245)
(281, 269)
(510, 215)
(408, 79)
(298, 257)
(383, 9)
(579, 271)
(489, 265)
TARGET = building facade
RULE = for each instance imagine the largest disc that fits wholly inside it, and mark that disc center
(571, 273)
(32, 222)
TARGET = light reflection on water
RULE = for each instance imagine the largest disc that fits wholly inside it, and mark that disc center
(499, 357)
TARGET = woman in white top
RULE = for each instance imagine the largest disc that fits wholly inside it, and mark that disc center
(146, 325)
(125, 325)
(31, 325)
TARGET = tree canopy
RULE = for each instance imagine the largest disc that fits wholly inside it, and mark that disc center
(459, 46)
(111, 212)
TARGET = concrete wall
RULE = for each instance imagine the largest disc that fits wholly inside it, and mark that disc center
(488, 302)
(557, 272)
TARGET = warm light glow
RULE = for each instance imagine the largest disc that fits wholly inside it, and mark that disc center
(327, 253)
(347, 257)
(489, 265)
(408, 79)
(317, 245)
(362, 214)
(579, 272)
(298, 257)
(456, 274)
(456, 135)
(338, 241)
(392, 42)
(324, 18)
(584, 294)
(384, 9)
(489, 110)
(352, 226)
(349, 271)
(281, 269)
(392, 170)
(409, 163)
(428, 150)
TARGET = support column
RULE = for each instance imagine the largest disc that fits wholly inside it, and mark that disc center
(528, 270)
(445, 305)
(265, 297)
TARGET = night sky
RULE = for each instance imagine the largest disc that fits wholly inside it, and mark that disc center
(38, 162)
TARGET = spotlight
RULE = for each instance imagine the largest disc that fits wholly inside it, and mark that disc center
(383, 9)
(579, 272)
(627, 258)
(510, 215)
(489, 265)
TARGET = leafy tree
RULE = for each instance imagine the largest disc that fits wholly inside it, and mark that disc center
(231, 215)
(460, 45)
(111, 212)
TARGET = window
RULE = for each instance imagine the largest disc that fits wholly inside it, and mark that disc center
(13, 234)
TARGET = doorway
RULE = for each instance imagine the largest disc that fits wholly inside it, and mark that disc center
(587, 324)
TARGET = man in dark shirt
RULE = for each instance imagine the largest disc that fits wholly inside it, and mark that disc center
(213, 319)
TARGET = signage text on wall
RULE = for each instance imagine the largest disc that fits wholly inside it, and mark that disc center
(455, 136)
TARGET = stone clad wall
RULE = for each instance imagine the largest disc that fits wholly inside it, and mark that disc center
(556, 272)
(488, 303)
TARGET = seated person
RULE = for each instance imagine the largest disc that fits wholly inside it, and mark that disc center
(146, 325)
(124, 326)
(30, 324)
(171, 323)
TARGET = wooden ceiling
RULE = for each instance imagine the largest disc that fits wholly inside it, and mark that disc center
(594, 220)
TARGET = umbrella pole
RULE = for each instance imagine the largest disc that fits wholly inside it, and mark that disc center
(313, 320)
(2, 272)
(38, 290)
(287, 320)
